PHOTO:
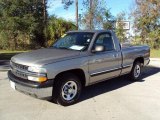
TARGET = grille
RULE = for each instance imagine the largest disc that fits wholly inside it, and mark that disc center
(18, 66)
(19, 70)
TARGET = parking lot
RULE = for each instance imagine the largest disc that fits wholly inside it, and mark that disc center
(116, 99)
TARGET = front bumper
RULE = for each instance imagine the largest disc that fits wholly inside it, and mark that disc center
(35, 89)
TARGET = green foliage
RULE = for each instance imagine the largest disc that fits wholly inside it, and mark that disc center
(67, 3)
(3, 40)
(120, 32)
(21, 23)
(109, 20)
(94, 14)
(147, 22)
(24, 25)
(56, 28)
(98, 17)
(155, 53)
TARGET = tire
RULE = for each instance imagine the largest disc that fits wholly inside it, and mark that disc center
(67, 89)
(135, 73)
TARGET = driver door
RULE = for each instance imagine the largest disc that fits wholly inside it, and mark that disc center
(106, 64)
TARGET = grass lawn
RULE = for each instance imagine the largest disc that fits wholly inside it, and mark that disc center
(6, 55)
(155, 53)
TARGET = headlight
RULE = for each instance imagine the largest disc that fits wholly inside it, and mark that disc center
(37, 70)
(37, 79)
(40, 74)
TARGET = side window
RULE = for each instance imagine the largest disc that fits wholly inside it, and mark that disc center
(106, 40)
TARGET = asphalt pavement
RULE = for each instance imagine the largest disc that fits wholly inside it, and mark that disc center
(115, 99)
(4, 65)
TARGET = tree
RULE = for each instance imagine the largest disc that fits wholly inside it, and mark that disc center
(57, 27)
(67, 3)
(146, 17)
(21, 23)
(44, 2)
(120, 32)
(91, 10)
(45, 16)
(109, 21)
(94, 15)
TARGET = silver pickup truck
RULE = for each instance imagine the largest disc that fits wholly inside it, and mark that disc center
(76, 60)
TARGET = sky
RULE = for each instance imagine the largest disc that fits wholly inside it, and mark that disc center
(115, 6)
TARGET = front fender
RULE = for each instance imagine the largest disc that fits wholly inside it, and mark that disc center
(56, 68)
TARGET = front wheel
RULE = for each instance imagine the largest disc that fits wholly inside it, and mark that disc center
(67, 89)
(136, 71)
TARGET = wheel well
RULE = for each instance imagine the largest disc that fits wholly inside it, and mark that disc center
(140, 59)
(78, 72)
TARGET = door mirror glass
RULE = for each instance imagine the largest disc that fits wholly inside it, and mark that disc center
(99, 48)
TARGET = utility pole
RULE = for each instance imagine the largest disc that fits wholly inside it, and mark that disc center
(77, 14)
(91, 15)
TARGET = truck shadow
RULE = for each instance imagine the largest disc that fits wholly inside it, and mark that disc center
(116, 83)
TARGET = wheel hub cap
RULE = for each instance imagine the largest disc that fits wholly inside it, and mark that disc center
(69, 90)
(137, 71)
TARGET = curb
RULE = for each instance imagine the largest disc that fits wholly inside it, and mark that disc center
(4, 67)
(4, 62)
(155, 59)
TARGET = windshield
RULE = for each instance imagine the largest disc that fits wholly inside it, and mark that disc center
(74, 41)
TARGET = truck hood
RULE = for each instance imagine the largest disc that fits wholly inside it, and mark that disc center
(44, 56)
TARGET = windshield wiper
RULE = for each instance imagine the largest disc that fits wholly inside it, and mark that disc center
(63, 48)
(59, 47)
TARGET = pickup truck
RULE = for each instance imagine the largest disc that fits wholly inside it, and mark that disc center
(78, 59)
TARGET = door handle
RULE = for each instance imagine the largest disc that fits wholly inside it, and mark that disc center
(115, 55)
(98, 60)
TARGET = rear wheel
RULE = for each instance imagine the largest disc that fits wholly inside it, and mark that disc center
(136, 71)
(67, 89)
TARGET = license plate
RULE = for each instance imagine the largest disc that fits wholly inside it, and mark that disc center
(13, 85)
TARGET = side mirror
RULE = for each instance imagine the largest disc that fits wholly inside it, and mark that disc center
(98, 48)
